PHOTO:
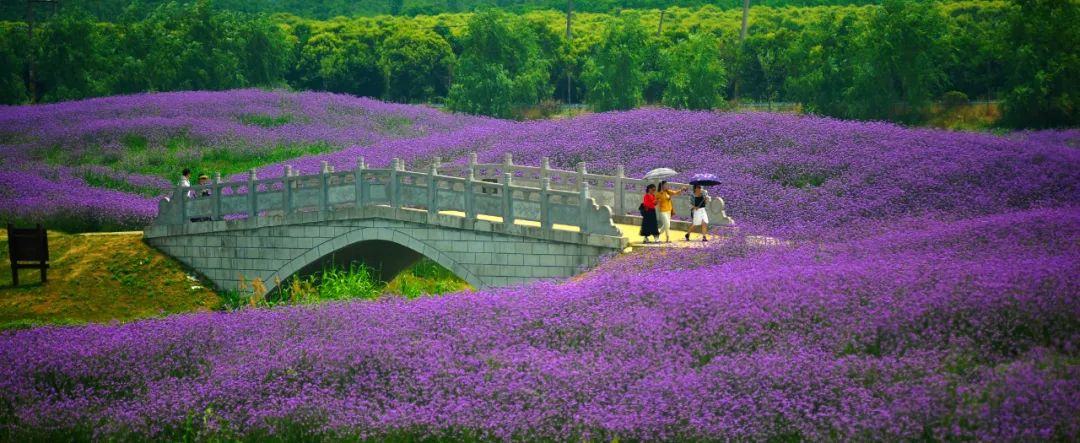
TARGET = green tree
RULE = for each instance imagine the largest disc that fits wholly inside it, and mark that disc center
(695, 73)
(13, 47)
(327, 63)
(1044, 87)
(501, 67)
(898, 60)
(820, 61)
(613, 76)
(416, 63)
(66, 61)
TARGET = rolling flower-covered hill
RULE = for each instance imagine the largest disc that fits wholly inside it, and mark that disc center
(929, 288)
(786, 174)
(61, 162)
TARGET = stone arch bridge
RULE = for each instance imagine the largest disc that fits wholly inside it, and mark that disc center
(493, 225)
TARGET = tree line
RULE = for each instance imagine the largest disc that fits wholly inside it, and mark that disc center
(107, 10)
(884, 62)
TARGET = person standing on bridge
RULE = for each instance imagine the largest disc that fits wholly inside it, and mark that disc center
(700, 217)
(664, 210)
(185, 182)
(648, 214)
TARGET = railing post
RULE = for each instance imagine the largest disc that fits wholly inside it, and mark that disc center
(583, 217)
(620, 188)
(472, 160)
(217, 195)
(433, 190)
(436, 162)
(470, 198)
(581, 175)
(181, 199)
(508, 161)
(253, 198)
(324, 181)
(545, 206)
(392, 186)
(361, 192)
(286, 191)
(508, 198)
(545, 168)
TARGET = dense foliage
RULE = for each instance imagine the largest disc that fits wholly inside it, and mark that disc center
(925, 289)
(324, 9)
(888, 61)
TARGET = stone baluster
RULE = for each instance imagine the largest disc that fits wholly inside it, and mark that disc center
(392, 185)
(620, 190)
(253, 198)
(581, 175)
(433, 190)
(508, 162)
(287, 190)
(586, 208)
(470, 196)
(324, 182)
(545, 204)
(361, 190)
(508, 198)
(217, 195)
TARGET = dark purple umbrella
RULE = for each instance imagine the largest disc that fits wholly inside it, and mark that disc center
(704, 179)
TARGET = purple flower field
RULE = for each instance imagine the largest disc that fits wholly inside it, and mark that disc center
(930, 291)
(141, 142)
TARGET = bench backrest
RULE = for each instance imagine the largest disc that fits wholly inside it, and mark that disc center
(29, 244)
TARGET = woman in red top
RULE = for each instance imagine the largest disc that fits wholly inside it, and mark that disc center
(648, 215)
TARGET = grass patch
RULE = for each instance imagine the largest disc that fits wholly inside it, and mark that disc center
(99, 278)
(395, 125)
(106, 277)
(355, 282)
(229, 161)
(104, 181)
(134, 142)
(266, 121)
(790, 178)
(425, 278)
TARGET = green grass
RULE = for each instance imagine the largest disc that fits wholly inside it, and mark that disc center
(355, 282)
(104, 181)
(267, 121)
(167, 160)
(99, 278)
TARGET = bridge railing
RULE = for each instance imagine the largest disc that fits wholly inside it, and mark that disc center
(621, 193)
(392, 187)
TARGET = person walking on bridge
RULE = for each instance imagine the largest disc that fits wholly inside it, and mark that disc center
(648, 214)
(664, 209)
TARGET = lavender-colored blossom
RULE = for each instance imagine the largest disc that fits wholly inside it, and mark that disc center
(923, 285)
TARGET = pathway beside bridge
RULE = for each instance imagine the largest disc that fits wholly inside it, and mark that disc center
(492, 224)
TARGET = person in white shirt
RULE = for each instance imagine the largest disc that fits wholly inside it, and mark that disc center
(185, 182)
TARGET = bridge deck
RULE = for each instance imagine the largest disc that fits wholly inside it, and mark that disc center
(627, 230)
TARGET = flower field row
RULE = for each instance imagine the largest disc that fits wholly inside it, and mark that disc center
(789, 175)
(962, 330)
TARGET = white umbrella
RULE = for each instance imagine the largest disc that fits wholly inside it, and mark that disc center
(660, 173)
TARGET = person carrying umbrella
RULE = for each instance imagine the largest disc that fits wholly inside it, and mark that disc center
(698, 200)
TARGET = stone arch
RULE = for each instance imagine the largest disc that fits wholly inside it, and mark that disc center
(359, 235)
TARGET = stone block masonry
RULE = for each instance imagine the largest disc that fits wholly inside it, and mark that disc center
(389, 240)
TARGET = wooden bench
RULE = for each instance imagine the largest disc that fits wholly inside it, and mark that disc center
(28, 249)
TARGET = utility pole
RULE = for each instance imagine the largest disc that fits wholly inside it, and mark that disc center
(31, 82)
(660, 27)
(570, 46)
